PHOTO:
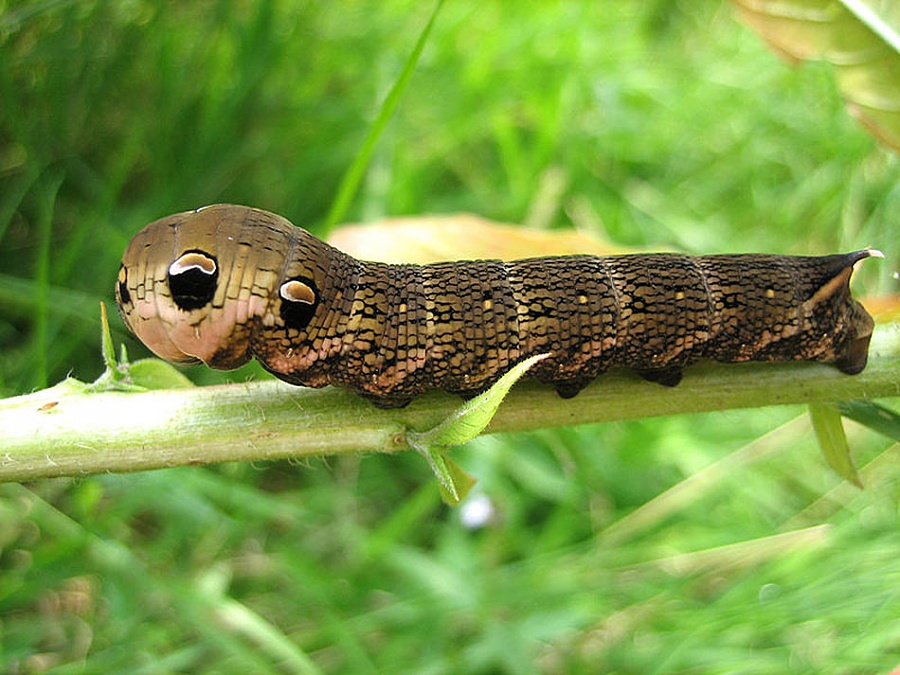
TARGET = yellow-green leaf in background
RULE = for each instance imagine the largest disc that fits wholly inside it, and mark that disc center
(860, 38)
(458, 237)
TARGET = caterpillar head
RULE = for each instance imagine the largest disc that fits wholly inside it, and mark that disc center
(192, 286)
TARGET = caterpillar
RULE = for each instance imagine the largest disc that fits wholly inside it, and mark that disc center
(226, 283)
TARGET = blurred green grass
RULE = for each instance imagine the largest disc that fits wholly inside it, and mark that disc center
(659, 124)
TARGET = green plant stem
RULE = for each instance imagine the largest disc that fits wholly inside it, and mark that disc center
(63, 431)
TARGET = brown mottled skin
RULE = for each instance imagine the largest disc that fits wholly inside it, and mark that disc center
(247, 283)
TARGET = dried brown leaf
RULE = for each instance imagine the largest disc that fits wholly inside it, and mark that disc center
(859, 38)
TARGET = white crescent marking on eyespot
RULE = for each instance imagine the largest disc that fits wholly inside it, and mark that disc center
(297, 291)
(193, 261)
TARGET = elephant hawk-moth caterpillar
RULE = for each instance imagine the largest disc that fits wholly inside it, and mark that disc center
(226, 283)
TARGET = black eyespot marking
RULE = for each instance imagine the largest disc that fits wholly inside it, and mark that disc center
(192, 280)
(299, 299)
(124, 295)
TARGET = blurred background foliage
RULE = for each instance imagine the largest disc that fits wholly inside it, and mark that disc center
(706, 543)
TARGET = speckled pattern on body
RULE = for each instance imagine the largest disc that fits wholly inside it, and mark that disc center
(226, 283)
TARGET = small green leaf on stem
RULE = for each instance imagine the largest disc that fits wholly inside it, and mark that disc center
(453, 481)
(471, 418)
(138, 376)
(106, 342)
(115, 375)
(829, 428)
(461, 426)
(157, 374)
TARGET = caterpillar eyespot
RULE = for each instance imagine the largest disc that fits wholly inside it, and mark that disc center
(123, 295)
(226, 283)
(297, 291)
(193, 277)
(298, 303)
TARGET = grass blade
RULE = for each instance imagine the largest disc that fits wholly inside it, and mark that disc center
(352, 178)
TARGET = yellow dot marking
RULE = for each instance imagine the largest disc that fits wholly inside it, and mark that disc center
(679, 295)
(403, 308)
(770, 293)
(582, 299)
(488, 304)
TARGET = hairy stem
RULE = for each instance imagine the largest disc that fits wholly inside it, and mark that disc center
(65, 431)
